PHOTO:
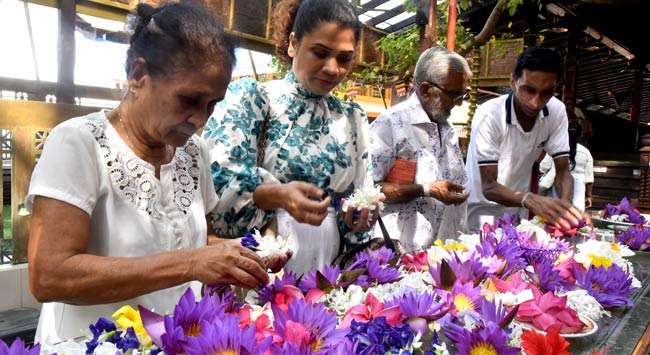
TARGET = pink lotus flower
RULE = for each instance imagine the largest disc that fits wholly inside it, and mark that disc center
(296, 333)
(314, 295)
(286, 295)
(370, 310)
(416, 261)
(513, 284)
(565, 268)
(547, 310)
(263, 325)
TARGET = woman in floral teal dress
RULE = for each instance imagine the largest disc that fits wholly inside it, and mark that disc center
(313, 146)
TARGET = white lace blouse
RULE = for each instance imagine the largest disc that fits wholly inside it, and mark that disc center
(86, 164)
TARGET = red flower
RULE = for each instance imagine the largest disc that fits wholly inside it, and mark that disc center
(534, 343)
(416, 261)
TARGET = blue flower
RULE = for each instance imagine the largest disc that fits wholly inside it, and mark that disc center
(377, 337)
(249, 241)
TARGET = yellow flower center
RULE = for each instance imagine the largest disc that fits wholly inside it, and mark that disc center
(227, 352)
(463, 303)
(483, 349)
(316, 344)
(600, 261)
(193, 330)
(453, 246)
(616, 248)
(438, 243)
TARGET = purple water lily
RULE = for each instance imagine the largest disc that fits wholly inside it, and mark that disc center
(187, 321)
(506, 250)
(310, 280)
(224, 336)
(636, 237)
(309, 324)
(489, 339)
(419, 308)
(464, 297)
(267, 293)
(18, 347)
(378, 337)
(469, 270)
(382, 273)
(625, 207)
(547, 277)
(382, 255)
(611, 286)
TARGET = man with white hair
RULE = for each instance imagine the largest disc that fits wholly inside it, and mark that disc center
(416, 157)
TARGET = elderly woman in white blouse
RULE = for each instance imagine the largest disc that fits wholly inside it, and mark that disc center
(119, 199)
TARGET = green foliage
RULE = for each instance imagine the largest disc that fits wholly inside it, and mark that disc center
(280, 69)
(401, 51)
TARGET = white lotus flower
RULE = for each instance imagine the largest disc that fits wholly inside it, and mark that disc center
(341, 300)
(369, 196)
(585, 305)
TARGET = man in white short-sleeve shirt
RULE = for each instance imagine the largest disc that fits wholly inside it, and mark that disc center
(431, 204)
(508, 134)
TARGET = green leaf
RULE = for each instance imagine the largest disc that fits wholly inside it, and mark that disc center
(323, 283)
(447, 276)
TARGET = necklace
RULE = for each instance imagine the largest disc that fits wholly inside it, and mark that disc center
(130, 144)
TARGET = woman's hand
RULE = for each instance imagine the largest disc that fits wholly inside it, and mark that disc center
(227, 262)
(303, 202)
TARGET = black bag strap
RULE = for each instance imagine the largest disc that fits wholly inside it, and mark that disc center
(261, 139)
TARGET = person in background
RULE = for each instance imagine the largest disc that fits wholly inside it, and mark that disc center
(431, 203)
(508, 135)
(289, 149)
(119, 198)
(582, 169)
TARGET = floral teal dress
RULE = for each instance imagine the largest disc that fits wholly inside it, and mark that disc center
(317, 139)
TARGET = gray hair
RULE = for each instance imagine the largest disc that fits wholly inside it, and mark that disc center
(435, 62)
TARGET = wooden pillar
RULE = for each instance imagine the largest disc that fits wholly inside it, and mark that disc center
(66, 52)
(570, 68)
(429, 38)
(22, 163)
(451, 25)
(635, 106)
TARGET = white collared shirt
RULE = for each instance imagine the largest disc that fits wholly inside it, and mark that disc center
(405, 132)
(498, 139)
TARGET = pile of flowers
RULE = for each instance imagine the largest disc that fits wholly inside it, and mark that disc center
(636, 238)
(474, 295)
(625, 211)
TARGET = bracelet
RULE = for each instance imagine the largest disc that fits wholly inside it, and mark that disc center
(425, 190)
(523, 199)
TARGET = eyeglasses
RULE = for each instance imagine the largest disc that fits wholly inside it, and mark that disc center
(456, 97)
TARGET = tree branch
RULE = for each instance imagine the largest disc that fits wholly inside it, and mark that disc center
(487, 30)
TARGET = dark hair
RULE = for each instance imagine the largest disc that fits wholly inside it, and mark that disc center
(538, 59)
(575, 132)
(303, 16)
(176, 36)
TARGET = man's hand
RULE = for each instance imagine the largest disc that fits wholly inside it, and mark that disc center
(448, 192)
(557, 212)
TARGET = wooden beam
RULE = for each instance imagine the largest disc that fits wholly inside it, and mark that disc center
(43, 88)
(371, 5)
(66, 52)
(401, 25)
(385, 16)
(32, 114)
